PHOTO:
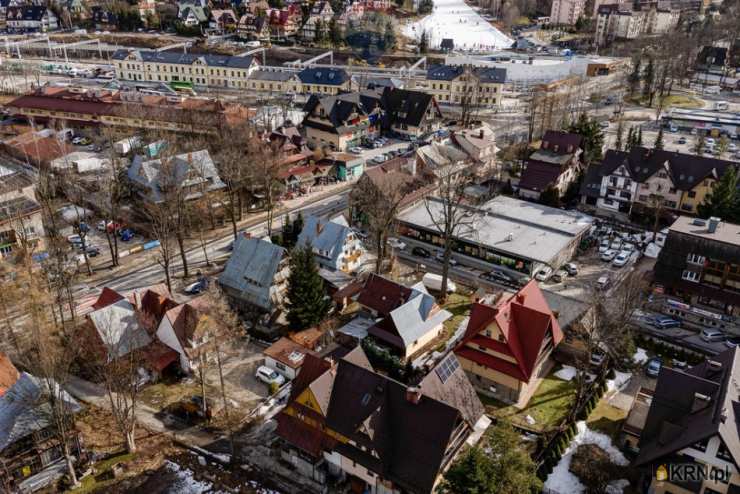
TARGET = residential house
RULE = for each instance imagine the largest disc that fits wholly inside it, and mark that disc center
(191, 14)
(182, 329)
(641, 178)
(30, 18)
(336, 426)
(348, 167)
(351, 14)
(31, 454)
(324, 80)
(321, 15)
(506, 348)
(103, 19)
(194, 174)
(692, 422)
(254, 27)
(224, 20)
(453, 84)
(335, 245)
(147, 9)
(116, 330)
(255, 7)
(712, 59)
(21, 220)
(285, 357)
(399, 176)
(699, 266)
(566, 12)
(171, 66)
(342, 121)
(255, 276)
(37, 147)
(285, 22)
(479, 143)
(409, 114)
(376, 5)
(555, 164)
(407, 319)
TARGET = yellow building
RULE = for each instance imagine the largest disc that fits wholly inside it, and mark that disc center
(455, 84)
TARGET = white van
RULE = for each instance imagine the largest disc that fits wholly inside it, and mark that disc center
(434, 282)
(721, 105)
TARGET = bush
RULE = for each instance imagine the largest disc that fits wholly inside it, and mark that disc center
(274, 388)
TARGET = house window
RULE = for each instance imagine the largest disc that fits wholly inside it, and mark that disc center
(701, 445)
(690, 276)
(695, 259)
(280, 366)
(692, 194)
(723, 453)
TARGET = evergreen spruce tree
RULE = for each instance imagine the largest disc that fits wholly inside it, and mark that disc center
(307, 304)
(635, 77)
(423, 42)
(648, 78)
(639, 137)
(630, 139)
(659, 140)
(723, 200)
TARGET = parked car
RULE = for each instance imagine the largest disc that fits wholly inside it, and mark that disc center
(571, 268)
(732, 341)
(652, 368)
(682, 140)
(621, 259)
(74, 239)
(269, 376)
(710, 335)
(616, 245)
(440, 257)
(356, 150)
(103, 225)
(559, 276)
(609, 255)
(421, 252)
(433, 282)
(126, 235)
(543, 274)
(379, 159)
(197, 287)
(597, 358)
(665, 322)
(603, 283)
(396, 244)
(497, 277)
(628, 247)
(604, 246)
(92, 250)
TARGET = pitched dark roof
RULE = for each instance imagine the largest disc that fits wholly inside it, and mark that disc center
(686, 170)
(323, 75)
(450, 72)
(175, 57)
(561, 142)
(690, 406)
(491, 74)
(591, 184)
(383, 295)
(392, 436)
(339, 108)
(27, 13)
(537, 175)
(402, 106)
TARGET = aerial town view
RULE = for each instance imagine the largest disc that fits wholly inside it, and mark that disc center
(370, 246)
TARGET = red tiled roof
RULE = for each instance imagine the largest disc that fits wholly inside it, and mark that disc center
(54, 103)
(491, 362)
(8, 374)
(524, 320)
(491, 344)
(383, 295)
(299, 434)
(158, 356)
(107, 297)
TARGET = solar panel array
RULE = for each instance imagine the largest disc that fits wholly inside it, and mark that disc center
(448, 367)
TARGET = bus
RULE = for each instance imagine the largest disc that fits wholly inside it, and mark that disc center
(183, 87)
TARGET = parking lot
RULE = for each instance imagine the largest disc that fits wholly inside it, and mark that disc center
(371, 154)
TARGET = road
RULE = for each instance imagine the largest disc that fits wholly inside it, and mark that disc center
(682, 337)
(147, 273)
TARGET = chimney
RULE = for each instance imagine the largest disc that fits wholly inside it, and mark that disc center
(713, 224)
(520, 297)
(413, 395)
(701, 401)
(480, 136)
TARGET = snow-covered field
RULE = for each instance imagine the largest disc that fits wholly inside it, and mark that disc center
(458, 21)
(563, 481)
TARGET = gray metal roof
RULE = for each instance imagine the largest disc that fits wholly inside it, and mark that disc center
(119, 329)
(327, 238)
(191, 169)
(272, 75)
(22, 412)
(415, 319)
(176, 57)
(323, 75)
(522, 229)
(251, 270)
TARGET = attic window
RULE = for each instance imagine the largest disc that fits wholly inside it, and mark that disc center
(365, 399)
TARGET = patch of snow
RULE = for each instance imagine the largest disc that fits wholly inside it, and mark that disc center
(186, 482)
(561, 479)
(456, 20)
(202, 461)
(530, 420)
(620, 379)
(567, 373)
(617, 486)
(218, 456)
(640, 356)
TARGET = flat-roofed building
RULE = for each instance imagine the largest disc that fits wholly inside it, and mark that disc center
(517, 235)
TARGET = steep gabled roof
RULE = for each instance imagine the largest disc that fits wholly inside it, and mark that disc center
(327, 238)
(407, 107)
(524, 320)
(692, 405)
(323, 76)
(251, 270)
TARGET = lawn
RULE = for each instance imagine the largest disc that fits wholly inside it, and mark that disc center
(161, 394)
(607, 419)
(459, 305)
(680, 100)
(101, 478)
(548, 406)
